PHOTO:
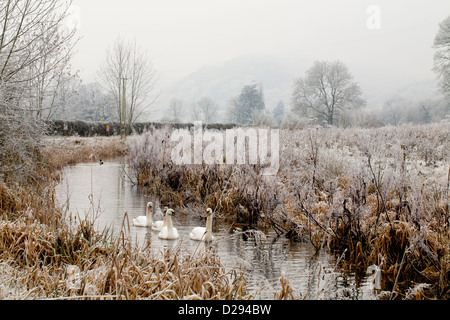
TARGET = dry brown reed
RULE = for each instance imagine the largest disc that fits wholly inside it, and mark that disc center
(286, 292)
(65, 265)
(45, 256)
(61, 152)
(370, 196)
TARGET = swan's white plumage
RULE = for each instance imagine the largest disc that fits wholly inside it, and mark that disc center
(140, 221)
(168, 232)
(145, 221)
(204, 233)
(198, 233)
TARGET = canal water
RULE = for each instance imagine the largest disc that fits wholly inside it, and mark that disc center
(104, 193)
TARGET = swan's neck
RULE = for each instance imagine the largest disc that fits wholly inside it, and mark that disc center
(165, 219)
(209, 223)
(169, 222)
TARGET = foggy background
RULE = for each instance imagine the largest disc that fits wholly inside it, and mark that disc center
(213, 48)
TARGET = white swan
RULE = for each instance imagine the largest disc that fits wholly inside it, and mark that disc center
(168, 232)
(145, 221)
(202, 233)
(158, 225)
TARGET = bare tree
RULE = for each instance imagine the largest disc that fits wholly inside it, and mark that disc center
(232, 110)
(130, 77)
(208, 109)
(442, 56)
(31, 31)
(64, 95)
(393, 110)
(34, 50)
(196, 112)
(325, 91)
(89, 102)
(52, 71)
(175, 110)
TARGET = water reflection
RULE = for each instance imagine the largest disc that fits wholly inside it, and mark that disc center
(264, 259)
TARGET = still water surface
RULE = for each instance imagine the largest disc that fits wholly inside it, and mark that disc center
(311, 276)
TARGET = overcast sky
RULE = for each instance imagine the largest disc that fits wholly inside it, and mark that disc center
(181, 36)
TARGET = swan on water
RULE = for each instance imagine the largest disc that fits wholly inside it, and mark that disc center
(168, 232)
(204, 233)
(145, 221)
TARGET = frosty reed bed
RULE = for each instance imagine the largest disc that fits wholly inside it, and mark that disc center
(69, 266)
(45, 255)
(63, 151)
(374, 196)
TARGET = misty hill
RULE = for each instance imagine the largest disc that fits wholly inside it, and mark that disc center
(225, 81)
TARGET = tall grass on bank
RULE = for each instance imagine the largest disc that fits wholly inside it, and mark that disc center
(63, 151)
(66, 264)
(371, 196)
(235, 192)
(43, 255)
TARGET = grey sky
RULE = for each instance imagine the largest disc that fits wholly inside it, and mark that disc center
(181, 36)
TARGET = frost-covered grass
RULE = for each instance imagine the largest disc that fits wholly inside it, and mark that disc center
(380, 195)
(373, 196)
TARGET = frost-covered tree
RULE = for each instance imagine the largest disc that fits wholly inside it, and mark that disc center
(243, 109)
(325, 91)
(196, 112)
(64, 96)
(278, 113)
(90, 103)
(53, 72)
(35, 47)
(175, 110)
(208, 109)
(94, 104)
(231, 113)
(393, 111)
(129, 76)
(442, 56)
(399, 110)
